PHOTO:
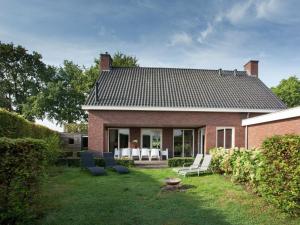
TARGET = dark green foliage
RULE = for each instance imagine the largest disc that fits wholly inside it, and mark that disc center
(273, 171)
(22, 164)
(280, 177)
(289, 91)
(22, 75)
(61, 100)
(122, 60)
(76, 128)
(178, 162)
(75, 162)
(125, 162)
(15, 126)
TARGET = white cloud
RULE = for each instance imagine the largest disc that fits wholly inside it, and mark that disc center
(265, 9)
(181, 38)
(205, 33)
(239, 11)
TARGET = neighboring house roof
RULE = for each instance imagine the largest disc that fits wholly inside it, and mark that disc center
(145, 88)
(280, 115)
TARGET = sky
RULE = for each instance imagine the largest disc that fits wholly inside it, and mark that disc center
(167, 33)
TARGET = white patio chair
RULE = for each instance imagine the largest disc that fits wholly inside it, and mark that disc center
(154, 154)
(196, 164)
(136, 152)
(203, 168)
(165, 153)
(117, 153)
(145, 153)
(125, 153)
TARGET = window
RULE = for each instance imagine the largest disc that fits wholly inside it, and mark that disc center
(84, 142)
(183, 141)
(151, 138)
(118, 138)
(71, 141)
(225, 137)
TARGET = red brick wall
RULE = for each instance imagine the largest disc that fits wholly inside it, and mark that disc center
(99, 121)
(257, 133)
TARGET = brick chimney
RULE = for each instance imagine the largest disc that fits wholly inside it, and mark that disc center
(251, 68)
(105, 62)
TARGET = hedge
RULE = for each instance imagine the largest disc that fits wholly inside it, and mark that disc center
(272, 171)
(76, 128)
(22, 164)
(14, 125)
(178, 162)
(75, 162)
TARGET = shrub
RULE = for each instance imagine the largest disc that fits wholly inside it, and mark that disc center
(76, 127)
(178, 162)
(273, 171)
(280, 177)
(125, 162)
(15, 126)
(75, 162)
(22, 164)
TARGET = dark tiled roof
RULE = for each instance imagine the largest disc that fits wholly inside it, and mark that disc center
(170, 87)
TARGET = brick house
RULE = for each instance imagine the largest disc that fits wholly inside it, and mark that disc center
(187, 111)
(258, 128)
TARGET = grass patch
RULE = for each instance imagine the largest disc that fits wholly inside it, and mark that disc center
(72, 196)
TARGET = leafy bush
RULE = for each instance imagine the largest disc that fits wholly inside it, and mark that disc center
(22, 164)
(76, 127)
(14, 125)
(273, 171)
(75, 162)
(280, 177)
(125, 162)
(178, 162)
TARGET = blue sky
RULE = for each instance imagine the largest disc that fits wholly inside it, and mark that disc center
(198, 34)
(195, 34)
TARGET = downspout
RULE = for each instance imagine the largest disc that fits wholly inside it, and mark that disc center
(246, 133)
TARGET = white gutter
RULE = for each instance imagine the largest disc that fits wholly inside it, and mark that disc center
(280, 115)
(177, 109)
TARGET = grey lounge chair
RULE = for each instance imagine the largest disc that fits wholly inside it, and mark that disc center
(203, 168)
(87, 161)
(111, 163)
(196, 164)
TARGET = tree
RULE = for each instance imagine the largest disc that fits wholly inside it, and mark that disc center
(63, 97)
(21, 75)
(122, 60)
(288, 91)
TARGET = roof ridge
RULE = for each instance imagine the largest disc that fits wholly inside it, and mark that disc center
(172, 68)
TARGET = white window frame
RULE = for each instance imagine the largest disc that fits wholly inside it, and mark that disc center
(183, 141)
(118, 128)
(144, 131)
(232, 138)
(201, 131)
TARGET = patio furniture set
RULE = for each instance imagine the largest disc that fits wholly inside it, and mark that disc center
(140, 154)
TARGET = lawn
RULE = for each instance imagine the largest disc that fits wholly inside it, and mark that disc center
(72, 196)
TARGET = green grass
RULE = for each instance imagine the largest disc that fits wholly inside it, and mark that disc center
(71, 196)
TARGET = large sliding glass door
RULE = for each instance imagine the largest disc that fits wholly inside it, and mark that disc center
(151, 138)
(183, 141)
(118, 138)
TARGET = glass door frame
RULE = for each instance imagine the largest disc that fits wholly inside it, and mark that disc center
(150, 129)
(183, 129)
(118, 128)
(201, 142)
